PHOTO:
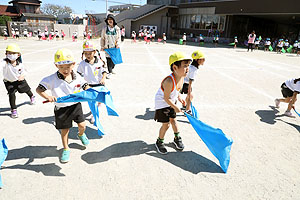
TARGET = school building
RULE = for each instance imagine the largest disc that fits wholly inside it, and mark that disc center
(226, 18)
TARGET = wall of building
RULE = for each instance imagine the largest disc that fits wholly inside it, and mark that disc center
(157, 19)
(127, 24)
(69, 29)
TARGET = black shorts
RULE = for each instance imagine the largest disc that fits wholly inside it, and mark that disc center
(164, 114)
(64, 116)
(236, 43)
(20, 86)
(46, 36)
(17, 36)
(267, 46)
(148, 38)
(39, 36)
(185, 88)
(57, 36)
(201, 40)
(286, 92)
(75, 37)
(25, 35)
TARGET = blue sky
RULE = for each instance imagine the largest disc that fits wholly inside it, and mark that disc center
(79, 6)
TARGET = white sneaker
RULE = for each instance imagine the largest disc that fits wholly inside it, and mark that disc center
(289, 114)
(108, 76)
(277, 102)
(113, 72)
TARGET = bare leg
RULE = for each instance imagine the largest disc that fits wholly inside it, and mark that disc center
(81, 128)
(64, 137)
(163, 129)
(173, 122)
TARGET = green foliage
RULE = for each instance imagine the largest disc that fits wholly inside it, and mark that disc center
(4, 19)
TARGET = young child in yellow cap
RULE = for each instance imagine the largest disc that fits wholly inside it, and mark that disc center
(166, 98)
(198, 59)
(14, 73)
(64, 82)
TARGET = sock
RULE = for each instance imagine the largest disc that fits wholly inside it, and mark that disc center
(67, 149)
(161, 140)
(176, 135)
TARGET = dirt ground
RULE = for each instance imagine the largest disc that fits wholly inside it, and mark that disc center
(234, 91)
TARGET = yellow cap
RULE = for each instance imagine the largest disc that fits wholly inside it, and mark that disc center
(63, 56)
(178, 56)
(13, 48)
(88, 46)
(197, 55)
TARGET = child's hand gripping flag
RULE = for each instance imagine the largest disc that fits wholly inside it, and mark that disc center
(270, 48)
(115, 55)
(92, 96)
(289, 50)
(296, 111)
(3, 155)
(217, 142)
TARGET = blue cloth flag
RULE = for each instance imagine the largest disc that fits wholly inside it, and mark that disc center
(115, 55)
(296, 112)
(92, 96)
(217, 142)
(3, 155)
(194, 112)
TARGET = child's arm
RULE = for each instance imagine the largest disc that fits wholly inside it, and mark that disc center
(181, 100)
(43, 94)
(292, 102)
(168, 86)
(190, 86)
(102, 81)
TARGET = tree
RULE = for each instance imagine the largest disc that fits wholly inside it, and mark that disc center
(55, 10)
(4, 19)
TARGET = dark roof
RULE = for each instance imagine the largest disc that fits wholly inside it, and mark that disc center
(8, 11)
(26, 2)
(137, 13)
(37, 15)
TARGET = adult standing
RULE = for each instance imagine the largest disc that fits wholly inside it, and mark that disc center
(251, 39)
(110, 38)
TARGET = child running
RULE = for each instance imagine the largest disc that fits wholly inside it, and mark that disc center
(14, 77)
(235, 42)
(62, 83)
(166, 98)
(289, 90)
(198, 59)
(92, 68)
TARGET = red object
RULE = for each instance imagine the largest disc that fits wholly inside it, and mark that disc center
(89, 37)
(159, 40)
(145, 38)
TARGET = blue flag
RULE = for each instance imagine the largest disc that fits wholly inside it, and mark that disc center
(217, 142)
(296, 112)
(115, 55)
(92, 96)
(3, 155)
(194, 112)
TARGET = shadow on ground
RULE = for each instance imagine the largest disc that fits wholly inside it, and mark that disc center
(268, 116)
(35, 152)
(186, 160)
(147, 116)
(8, 109)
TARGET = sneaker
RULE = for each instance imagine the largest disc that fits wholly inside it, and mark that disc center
(32, 100)
(178, 143)
(108, 76)
(160, 146)
(113, 72)
(84, 140)
(277, 102)
(14, 113)
(189, 112)
(289, 114)
(183, 108)
(65, 156)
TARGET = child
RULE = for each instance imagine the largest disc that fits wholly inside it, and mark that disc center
(198, 59)
(289, 90)
(14, 77)
(5, 34)
(279, 46)
(62, 83)
(166, 98)
(216, 40)
(201, 39)
(17, 34)
(84, 34)
(46, 34)
(75, 36)
(298, 49)
(184, 39)
(295, 46)
(13, 33)
(25, 33)
(52, 34)
(153, 36)
(90, 34)
(133, 36)
(164, 38)
(235, 42)
(56, 34)
(92, 68)
(256, 43)
(39, 32)
(62, 34)
(286, 44)
(148, 35)
(267, 44)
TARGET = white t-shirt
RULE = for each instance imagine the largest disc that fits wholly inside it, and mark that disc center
(257, 42)
(184, 37)
(292, 86)
(235, 40)
(299, 45)
(59, 87)
(286, 44)
(191, 74)
(280, 44)
(268, 43)
(164, 37)
(11, 73)
(92, 73)
(46, 32)
(295, 45)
